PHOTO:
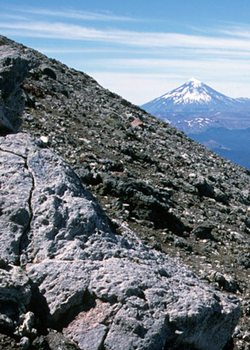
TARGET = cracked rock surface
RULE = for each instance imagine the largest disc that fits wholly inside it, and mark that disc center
(70, 272)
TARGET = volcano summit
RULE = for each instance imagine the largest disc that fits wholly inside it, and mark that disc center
(195, 104)
(208, 116)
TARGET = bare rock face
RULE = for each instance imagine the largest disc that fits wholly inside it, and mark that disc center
(13, 69)
(64, 268)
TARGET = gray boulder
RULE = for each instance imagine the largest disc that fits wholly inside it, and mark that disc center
(99, 288)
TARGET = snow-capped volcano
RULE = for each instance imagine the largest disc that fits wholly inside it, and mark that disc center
(194, 106)
(220, 122)
(192, 93)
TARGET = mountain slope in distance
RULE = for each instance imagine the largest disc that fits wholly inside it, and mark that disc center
(195, 106)
(231, 144)
(208, 117)
(193, 95)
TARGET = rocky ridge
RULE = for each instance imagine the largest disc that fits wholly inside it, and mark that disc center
(178, 196)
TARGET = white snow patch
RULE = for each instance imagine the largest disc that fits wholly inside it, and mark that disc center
(198, 122)
(195, 82)
(194, 91)
(195, 96)
(188, 95)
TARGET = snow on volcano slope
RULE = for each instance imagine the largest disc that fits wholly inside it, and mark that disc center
(195, 105)
(191, 93)
(209, 117)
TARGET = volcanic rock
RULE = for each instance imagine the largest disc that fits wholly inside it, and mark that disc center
(78, 276)
(132, 170)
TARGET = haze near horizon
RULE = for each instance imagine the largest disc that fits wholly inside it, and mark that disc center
(138, 49)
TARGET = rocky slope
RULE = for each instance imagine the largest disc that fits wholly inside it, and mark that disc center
(64, 268)
(178, 196)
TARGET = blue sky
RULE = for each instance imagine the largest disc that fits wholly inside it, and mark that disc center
(140, 49)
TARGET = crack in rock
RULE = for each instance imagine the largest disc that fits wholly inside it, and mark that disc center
(23, 239)
(16, 185)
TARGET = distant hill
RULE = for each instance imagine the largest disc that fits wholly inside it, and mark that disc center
(199, 111)
(231, 144)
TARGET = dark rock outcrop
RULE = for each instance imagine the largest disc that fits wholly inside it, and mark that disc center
(13, 70)
(69, 271)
